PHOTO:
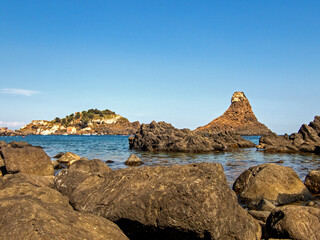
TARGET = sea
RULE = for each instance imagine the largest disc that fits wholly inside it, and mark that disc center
(116, 149)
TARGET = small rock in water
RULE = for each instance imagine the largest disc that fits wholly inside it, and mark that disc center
(133, 160)
(67, 157)
(59, 155)
(280, 161)
(109, 161)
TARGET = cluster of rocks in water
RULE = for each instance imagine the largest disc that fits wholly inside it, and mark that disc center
(193, 201)
(307, 139)
(163, 136)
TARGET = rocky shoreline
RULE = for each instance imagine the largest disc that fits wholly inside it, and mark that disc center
(4, 131)
(193, 201)
(307, 139)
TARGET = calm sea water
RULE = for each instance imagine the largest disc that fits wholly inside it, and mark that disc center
(116, 148)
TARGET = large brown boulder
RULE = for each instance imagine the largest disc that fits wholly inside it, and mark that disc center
(163, 136)
(68, 180)
(312, 181)
(294, 222)
(307, 139)
(275, 183)
(190, 201)
(24, 158)
(19, 178)
(32, 210)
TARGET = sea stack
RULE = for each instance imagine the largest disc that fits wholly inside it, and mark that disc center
(239, 119)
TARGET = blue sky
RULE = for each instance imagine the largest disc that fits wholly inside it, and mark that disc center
(173, 61)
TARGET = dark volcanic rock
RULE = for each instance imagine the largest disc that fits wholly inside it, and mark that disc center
(190, 201)
(239, 119)
(31, 210)
(306, 140)
(78, 172)
(275, 183)
(19, 178)
(163, 136)
(312, 181)
(24, 158)
(294, 222)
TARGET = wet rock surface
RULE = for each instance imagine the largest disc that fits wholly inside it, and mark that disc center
(307, 139)
(294, 222)
(31, 209)
(272, 182)
(22, 157)
(163, 136)
(190, 201)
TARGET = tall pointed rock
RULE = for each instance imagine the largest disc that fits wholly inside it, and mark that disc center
(239, 118)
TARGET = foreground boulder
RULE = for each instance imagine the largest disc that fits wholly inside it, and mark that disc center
(312, 181)
(294, 222)
(239, 119)
(306, 140)
(24, 158)
(30, 209)
(163, 136)
(78, 172)
(275, 183)
(190, 201)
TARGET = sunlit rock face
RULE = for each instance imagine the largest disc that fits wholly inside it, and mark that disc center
(239, 118)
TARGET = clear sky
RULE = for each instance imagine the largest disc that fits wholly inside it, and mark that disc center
(173, 61)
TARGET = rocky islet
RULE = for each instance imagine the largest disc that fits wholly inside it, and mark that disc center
(89, 122)
(238, 119)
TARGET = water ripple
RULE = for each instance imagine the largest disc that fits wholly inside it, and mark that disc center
(116, 148)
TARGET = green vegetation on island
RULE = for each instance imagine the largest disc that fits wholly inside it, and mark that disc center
(83, 118)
